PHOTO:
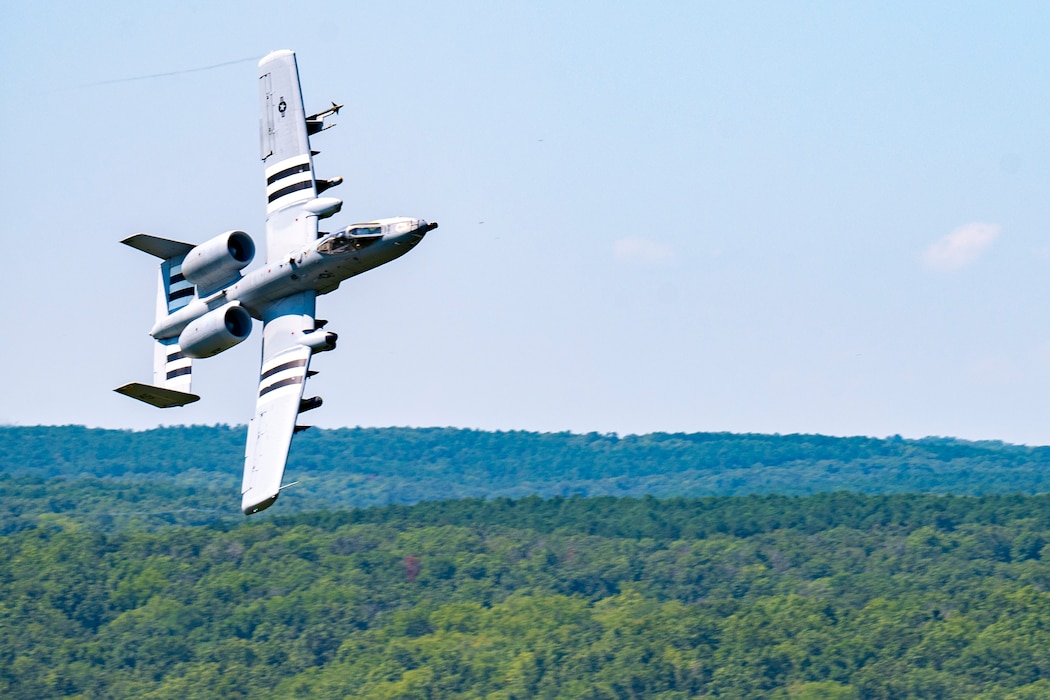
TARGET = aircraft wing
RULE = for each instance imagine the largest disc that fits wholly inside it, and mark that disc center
(289, 337)
(286, 155)
(282, 377)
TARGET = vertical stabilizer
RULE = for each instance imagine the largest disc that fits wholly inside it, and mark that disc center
(171, 369)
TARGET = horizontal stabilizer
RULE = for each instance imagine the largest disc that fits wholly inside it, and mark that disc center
(161, 247)
(157, 396)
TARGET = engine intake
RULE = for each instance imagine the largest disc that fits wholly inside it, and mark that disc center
(216, 331)
(218, 262)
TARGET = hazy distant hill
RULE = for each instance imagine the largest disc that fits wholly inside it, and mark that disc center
(198, 468)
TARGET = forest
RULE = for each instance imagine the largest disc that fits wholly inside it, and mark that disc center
(126, 574)
(198, 468)
(827, 596)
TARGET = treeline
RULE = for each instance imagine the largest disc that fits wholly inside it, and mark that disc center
(365, 467)
(828, 596)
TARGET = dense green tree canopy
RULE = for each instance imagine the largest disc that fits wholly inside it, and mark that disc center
(835, 595)
(523, 565)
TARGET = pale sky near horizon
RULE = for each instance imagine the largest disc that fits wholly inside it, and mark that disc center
(683, 216)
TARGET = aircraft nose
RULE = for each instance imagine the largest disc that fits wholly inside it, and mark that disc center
(411, 234)
(419, 229)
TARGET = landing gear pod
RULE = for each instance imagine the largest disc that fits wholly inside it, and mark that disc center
(320, 341)
(215, 331)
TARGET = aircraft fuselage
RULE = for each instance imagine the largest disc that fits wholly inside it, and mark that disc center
(319, 267)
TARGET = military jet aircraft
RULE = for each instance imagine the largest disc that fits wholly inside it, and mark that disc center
(205, 303)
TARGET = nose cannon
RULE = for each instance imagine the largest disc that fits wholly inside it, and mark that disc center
(409, 230)
(405, 226)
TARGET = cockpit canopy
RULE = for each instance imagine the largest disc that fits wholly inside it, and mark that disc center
(364, 230)
(358, 236)
(353, 237)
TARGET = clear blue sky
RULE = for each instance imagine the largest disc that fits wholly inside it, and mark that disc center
(755, 217)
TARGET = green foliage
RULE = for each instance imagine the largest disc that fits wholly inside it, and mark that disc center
(821, 597)
(107, 503)
(117, 476)
(128, 571)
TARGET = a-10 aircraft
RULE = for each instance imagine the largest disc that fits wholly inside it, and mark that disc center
(205, 303)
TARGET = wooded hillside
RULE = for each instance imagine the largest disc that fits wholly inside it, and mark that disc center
(827, 596)
(129, 572)
(201, 466)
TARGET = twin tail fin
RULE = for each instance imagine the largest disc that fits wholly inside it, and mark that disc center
(172, 371)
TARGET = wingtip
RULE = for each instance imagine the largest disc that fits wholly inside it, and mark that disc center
(275, 55)
(253, 507)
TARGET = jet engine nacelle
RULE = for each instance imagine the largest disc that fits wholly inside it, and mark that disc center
(218, 261)
(215, 331)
